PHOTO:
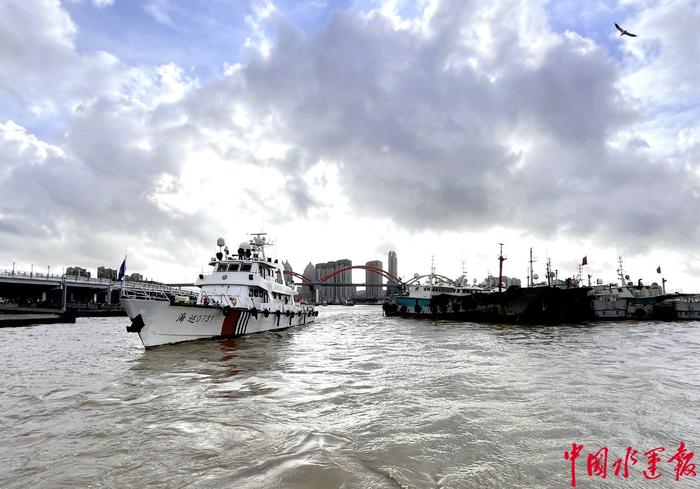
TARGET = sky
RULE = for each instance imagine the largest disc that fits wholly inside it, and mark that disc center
(436, 128)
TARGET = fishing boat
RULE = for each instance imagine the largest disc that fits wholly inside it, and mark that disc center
(245, 293)
(674, 307)
(430, 298)
(459, 301)
(625, 300)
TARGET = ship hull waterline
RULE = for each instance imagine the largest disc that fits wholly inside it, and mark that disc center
(162, 323)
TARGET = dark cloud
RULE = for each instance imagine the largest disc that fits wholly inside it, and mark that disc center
(452, 129)
(470, 117)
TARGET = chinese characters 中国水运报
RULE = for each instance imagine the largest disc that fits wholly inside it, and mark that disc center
(597, 462)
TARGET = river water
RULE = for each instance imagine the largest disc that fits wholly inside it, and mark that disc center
(355, 400)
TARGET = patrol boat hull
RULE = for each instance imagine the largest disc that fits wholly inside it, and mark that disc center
(160, 322)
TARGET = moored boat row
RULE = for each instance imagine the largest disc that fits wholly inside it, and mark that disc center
(567, 302)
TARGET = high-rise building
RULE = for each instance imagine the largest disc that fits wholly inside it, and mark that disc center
(375, 290)
(336, 294)
(347, 291)
(325, 293)
(306, 293)
(393, 270)
(288, 277)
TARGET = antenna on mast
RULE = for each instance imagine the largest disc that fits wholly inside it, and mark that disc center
(532, 276)
(500, 268)
(620, 271)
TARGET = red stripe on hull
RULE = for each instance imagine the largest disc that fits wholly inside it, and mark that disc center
(228, 328)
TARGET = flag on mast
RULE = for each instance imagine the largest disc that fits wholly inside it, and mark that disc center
(658, 269)
(122, 270)
(584, 261)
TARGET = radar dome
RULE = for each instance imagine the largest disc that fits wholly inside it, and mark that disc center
(220, 242)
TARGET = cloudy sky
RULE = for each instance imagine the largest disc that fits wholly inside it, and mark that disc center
(345, 129)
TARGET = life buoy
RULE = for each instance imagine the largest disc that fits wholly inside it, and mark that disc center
(278, 313)
(254, 312)
(266, 313)
(234, 301)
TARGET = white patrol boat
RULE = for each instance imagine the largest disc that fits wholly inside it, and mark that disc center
(245, 293)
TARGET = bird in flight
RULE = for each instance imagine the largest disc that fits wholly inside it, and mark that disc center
(624, 32)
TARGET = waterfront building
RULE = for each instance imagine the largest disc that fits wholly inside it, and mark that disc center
(135, 277)
(306, 293)
(374, 280)
(325, 293)
(393, 270)
(335, 294)
(348, 291)
(108, 273)
(288, 268)
(492, 281)
(78, 272)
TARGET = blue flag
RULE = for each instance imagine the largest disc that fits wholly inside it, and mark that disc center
(122, 270)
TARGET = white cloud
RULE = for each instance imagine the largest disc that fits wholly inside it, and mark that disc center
(159, 10)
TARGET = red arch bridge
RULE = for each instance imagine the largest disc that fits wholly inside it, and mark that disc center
(324, 280)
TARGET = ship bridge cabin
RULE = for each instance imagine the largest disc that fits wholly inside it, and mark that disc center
(245, 279)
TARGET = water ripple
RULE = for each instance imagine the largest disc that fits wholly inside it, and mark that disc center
(354, 400)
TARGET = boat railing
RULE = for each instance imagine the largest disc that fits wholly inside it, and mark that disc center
(134, 290)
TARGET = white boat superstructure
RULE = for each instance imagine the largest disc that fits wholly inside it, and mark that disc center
(245, 293)
(625, 301)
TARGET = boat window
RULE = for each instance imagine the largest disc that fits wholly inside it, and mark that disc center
(221, 267)
(245, 267)
(279, 277)
(233, 267)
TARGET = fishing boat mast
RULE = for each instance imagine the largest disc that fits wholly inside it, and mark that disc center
(500, 268)
(620, 272)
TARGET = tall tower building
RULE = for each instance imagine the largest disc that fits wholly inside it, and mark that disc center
(348, 291)
(288, 268)
(326, 293)
(374, 280)
(306, 293)
(393, 270)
